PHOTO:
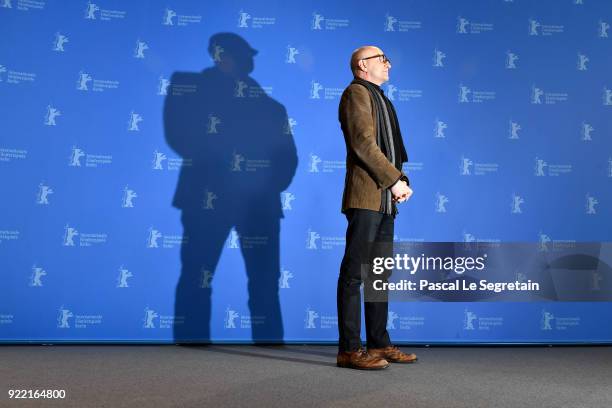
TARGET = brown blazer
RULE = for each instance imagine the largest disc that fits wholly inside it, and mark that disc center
(368, 170)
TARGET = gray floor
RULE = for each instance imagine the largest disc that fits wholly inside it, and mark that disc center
(288, 376)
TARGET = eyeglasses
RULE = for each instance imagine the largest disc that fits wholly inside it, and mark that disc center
(384, 58)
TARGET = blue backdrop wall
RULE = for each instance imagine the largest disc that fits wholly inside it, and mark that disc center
(162, 182)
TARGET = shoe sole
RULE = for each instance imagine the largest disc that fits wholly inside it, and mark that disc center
(361, 368)
(403, 362)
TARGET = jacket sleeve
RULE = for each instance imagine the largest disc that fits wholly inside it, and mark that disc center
(355, 116)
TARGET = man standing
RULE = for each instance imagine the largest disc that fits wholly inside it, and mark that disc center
(374, 184)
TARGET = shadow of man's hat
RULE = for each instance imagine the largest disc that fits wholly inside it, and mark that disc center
(231, 43)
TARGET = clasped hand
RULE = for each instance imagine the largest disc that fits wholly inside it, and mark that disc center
(400, 191)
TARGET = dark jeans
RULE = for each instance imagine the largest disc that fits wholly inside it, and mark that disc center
(364, 228)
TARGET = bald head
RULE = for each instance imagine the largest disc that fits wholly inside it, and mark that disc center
(362, 52)
(375, 70)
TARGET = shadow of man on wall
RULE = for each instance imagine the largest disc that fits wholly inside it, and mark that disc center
(243, 156)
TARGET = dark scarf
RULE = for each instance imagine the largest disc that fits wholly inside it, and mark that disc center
(388, 137)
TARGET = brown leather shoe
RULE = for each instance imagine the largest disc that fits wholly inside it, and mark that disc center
(393, 355)
(360, 360)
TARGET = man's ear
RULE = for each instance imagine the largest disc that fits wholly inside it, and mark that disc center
(362, 66)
